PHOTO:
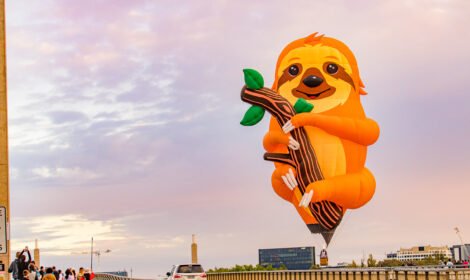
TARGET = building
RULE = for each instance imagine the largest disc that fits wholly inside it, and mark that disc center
(420, 253)
(392, 256)
(460, 252)
(292, 258)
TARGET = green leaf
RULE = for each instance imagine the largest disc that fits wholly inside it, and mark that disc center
(253, 79)
(302, 106)
(252, 116)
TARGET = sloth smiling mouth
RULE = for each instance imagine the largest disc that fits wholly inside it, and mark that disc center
(314, 95)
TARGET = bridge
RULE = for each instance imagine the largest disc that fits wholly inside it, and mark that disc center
(386, 273)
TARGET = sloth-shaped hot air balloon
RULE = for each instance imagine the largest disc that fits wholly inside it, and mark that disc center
(319, 133)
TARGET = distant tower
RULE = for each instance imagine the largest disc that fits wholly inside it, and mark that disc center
(37, 257)
(194, 250)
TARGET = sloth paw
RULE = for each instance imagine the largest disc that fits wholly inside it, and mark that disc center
(293, 144)
(305, 201)
(289, 180)
(288, 126)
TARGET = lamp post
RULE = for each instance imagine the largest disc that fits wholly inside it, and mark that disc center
(91, 255)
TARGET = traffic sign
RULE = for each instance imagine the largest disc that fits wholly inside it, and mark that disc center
(3, 230)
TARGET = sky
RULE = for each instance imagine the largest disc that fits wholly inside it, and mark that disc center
(124, 126)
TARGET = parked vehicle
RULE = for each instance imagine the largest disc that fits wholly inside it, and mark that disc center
(187, 272)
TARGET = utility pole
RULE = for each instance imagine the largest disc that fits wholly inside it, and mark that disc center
(4, 180)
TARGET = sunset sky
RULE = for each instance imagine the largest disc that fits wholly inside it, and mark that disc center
(124, 125)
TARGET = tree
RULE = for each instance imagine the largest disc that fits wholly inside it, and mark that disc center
(390, 263)
(353, 264)
(371, 262)
(246, 267)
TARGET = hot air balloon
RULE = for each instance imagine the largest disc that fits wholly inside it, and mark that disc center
(318, 133)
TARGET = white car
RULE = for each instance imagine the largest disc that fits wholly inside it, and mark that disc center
(187, 272)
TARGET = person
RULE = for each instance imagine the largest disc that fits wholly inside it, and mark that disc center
(25, 274)
(23, 264)
(49, 275)
(69, 274)
(449, 264)
(42, 271)
(61, 275)
(465, 263)
(81, 274)
(13, 269)
(55, 272)
(33, 275)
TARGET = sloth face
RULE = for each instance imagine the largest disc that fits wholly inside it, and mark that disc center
(320, 74)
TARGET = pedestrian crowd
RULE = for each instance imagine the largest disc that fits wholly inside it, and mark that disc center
(26, 269)
(458, 264)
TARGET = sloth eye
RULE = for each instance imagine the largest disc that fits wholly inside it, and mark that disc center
(294, 70)
(332, 68)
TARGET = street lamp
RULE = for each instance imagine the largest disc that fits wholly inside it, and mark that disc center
(92, 252)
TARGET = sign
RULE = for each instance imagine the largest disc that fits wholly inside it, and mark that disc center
(2, 267)
(3, 230)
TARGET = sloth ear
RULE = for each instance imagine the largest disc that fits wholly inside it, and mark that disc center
(313, 38)
(361, 88)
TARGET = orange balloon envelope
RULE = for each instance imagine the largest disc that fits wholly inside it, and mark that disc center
(318, 133)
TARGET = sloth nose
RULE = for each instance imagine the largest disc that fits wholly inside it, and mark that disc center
(312, 81)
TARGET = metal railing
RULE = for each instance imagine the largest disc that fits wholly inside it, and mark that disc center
(346, 273)
(395, 273)
(106, 276)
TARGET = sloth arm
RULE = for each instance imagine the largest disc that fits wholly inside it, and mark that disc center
(275, 140)
(350, 191)
(362, 131)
